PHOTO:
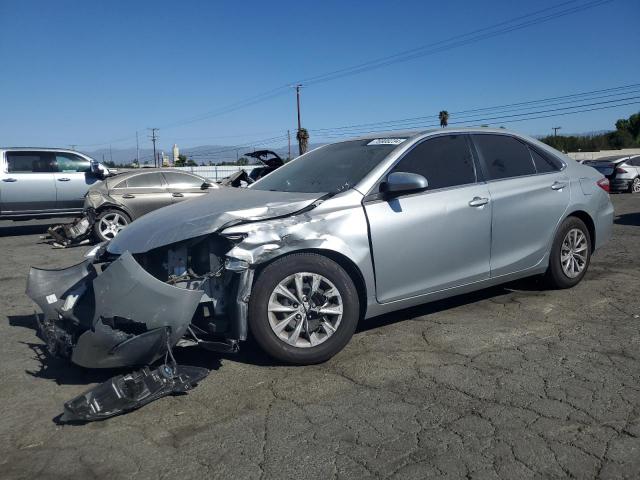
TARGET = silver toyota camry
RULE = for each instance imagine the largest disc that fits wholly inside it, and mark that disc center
(343, 233)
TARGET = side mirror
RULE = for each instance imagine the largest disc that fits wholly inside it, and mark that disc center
(208, 184)
(99, 170)
(400, 182)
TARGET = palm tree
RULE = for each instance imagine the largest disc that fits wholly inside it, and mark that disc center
(444, 118)
(303, 140)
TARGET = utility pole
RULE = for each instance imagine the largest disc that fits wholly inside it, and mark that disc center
(137, 150)
(110, 155)
(298, 102)
(289, 138)
(555, 130)
(298, 136)
(154, 138)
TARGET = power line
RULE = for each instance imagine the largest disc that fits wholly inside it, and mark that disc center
(514, 117)
(449, 44)
(577, 97)
(501, 28)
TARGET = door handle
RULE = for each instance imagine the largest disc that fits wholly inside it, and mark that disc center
(128, 195)
(177, 195)
(64, 179)
(558, 186)
(10, 179)
(478, 202)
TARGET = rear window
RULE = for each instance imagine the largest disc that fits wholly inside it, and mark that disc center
(504, 156)
(30, 162)
(544, 163)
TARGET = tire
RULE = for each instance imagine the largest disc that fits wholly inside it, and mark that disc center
(556, 275)
(635, 185)
(264, 322)
(110, 214)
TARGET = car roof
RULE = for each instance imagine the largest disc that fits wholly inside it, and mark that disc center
(42, 149)
(408, 134)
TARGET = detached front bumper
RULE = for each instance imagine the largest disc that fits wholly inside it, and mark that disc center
(120, 317)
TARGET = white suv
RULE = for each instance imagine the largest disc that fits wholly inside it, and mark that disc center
(39, 182)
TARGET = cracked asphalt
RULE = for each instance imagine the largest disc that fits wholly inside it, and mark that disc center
(510, 382)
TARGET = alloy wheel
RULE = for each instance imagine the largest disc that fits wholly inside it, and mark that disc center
(635, 186)
(305, 309)
(573, 253)
(110, 224)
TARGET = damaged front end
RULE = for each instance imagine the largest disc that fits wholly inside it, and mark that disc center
(168, 280)
(127, 311)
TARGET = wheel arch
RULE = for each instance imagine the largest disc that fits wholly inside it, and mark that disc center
(111, 206)
(345, 262)
(588, 221)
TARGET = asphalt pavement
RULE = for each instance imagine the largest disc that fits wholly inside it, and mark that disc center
(510, 382)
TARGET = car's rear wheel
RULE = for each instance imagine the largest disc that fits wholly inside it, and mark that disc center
(303, 309)
(109, 223)
(635, 185)
(570, 254)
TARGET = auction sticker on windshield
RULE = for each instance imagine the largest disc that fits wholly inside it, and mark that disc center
(386, 141)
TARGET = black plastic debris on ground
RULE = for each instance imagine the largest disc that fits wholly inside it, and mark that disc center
(124, 393)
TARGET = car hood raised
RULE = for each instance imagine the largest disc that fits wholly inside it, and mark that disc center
(206, 214)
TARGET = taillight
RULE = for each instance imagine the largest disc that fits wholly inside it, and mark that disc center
(620, 170)
(603, 183)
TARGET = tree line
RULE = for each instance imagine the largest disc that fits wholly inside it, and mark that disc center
(626, 135)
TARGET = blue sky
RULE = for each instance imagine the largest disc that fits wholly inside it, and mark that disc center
(92, 73)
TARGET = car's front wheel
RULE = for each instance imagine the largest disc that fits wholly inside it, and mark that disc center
(303, 309)
(570, 254)
(109, 223)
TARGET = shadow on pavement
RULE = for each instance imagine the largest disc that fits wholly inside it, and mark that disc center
(18, 230)
(628, 219)
(532, 284)
(63, 372)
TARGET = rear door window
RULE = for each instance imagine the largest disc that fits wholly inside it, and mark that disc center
(504, 156)
(445, 161)
(146, 180)
(182, 180)
(30, 162)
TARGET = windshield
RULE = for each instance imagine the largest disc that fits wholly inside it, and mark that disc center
(329, 169)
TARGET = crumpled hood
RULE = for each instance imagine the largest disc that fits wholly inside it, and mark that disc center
(204, 215)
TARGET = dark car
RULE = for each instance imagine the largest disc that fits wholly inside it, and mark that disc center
(623, 172)
(121, 199)
(270, 161)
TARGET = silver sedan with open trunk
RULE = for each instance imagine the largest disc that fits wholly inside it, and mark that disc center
(345, 232)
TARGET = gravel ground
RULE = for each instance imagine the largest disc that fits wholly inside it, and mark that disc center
(510, 382)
